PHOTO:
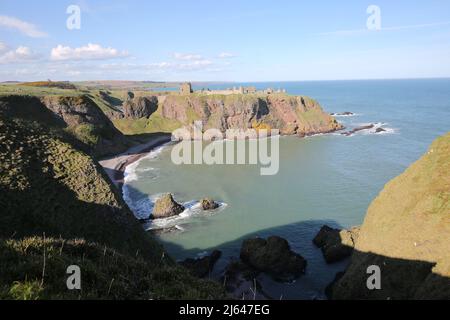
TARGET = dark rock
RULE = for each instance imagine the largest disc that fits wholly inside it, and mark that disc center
(329, 287)
(130, 95)
(346, 113)
(202, 267)
(379, 130)
(208, 204)
(166, 207)
(349, 133)
(240, 281)
(274, 257)
(140, 107)
(336, 244)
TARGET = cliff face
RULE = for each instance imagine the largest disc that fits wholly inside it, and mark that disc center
(58, 207)
(79, 115)
(140, 107)
(291, 115)
(407, 234)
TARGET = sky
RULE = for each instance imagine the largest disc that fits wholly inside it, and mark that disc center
(230, 40)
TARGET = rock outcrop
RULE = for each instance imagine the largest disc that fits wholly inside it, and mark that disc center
(166, 207)
(346, 113)
(202, 267)
(406, 233)
(208, 204)
(290, 114)
(274, 257)
(336, 244)
(140, 107)
(355, 130)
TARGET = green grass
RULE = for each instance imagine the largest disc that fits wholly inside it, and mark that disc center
(156, 123)
(58, 204)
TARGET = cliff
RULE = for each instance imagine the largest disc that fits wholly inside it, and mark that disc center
(407, 234)
(78, 115)
(58, 209)
(292, 115)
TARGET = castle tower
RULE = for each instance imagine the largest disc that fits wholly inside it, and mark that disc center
(186, 88)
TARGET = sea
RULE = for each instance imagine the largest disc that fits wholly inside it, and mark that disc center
(324, 179)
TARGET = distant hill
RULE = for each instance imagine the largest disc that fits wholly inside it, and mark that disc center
(51, 84)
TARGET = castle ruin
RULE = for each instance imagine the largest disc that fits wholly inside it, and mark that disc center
(186, 88)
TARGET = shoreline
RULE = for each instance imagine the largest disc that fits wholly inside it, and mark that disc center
(115, 166)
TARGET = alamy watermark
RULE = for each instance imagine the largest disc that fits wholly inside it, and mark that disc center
(73, 281)
(73, 22)
(374, 20)
(374, 280)
(234, 147)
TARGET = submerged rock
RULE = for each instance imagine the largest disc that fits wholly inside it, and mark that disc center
(209, 204)
(201, 267)
(379, 130)
(166, 207)
(336, 244)
(274, 257)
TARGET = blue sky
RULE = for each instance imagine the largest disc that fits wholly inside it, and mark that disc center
(227, 41)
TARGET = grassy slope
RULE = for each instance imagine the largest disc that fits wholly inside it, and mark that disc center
(57, 206)
(408, 221)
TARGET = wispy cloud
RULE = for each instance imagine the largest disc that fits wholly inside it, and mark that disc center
(226, 55)
(161, 66)
(24, 27)
(353, 32)
(187, 56)
(88, 52)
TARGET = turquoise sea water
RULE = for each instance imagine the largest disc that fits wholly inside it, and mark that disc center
(329, 179)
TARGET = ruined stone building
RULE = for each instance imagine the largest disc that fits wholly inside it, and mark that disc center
(186, 88)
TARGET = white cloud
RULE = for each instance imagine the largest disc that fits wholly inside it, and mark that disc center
(226, 55)
(89, 52)
(24, 27)
(187, 56)
(21, 54)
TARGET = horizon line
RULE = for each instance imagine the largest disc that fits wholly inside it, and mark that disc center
(232, 81)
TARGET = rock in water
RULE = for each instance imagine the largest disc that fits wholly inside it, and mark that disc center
(208, 204)
(346, 113)
(351, 132)
(166, 207)
(202, 267)
(379, 130)
(273, 256)
(336, 244)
